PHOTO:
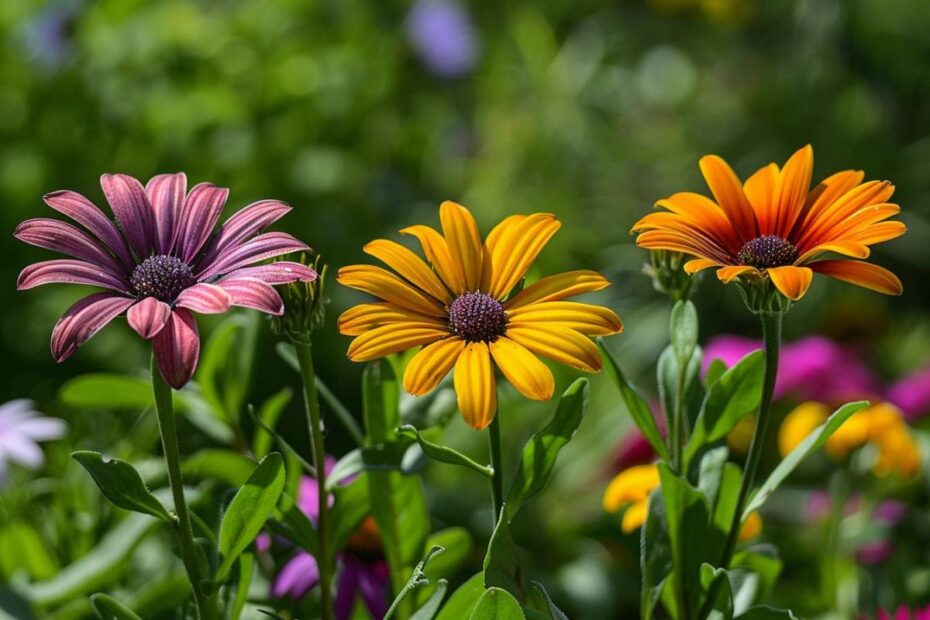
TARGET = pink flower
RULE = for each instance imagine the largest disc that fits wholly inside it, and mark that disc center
(21, 430)
(905, 613)
(160, 261)
(912, 394)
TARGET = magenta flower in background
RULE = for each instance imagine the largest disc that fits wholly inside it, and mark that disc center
(159, 262)
(21, 430)
(442, 34)
(912, 394)
(905, 613)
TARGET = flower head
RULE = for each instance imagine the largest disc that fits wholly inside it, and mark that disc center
(160, 261)
(442, 33)
(775, 228)
(461, 310)
(21, 430)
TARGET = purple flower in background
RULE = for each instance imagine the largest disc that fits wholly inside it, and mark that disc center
(158, 262)
(905, 613)
(441, 31)
(912, 394)
(21, 428)
(48, 35)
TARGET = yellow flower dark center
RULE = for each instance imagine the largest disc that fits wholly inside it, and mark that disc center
(767, 251)
(477, 317)
(162, 277)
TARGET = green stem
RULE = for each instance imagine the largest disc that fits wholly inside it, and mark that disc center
(497, 479)
(771, 336)
(678, 422)
(169, 440)
(312, 409)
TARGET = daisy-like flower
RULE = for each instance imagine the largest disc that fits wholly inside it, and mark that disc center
(21, 430)
(775, 227)
(459, 308)
(158, 262)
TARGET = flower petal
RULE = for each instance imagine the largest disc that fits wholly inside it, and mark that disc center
(205, 298)
(728, 192)
(84, 319)
(297, 577)
(131, 207)
(794, 183)
(559, 344)
(166, 195)
(148, 317)
(699, 264)
(244, 224)
(731, 272)
(392, 338)
(474, 385)
(253, 293)
(761, 191)
(515, 249)
(387, 286)
(177, 348)
(437, 253)
(817, 228)
(584, 318)
(262, 247)
(525, 372)
(67, 271)
(63, 237)
(199, 216)
(278, 272)
(465, 247)
(791, 281)
(86, 213)
(634, 517)
(359, 319)
(700, 213)
(825, 194)
(431, 364)
(632, 485)
(409, 266)
(559, 286)
(864, 274)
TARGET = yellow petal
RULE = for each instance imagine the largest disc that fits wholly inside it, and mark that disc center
(410, 266)
(634, 517)
(465, 247)
(361, 318)
(730, 273)
(864, 274)
(515, 249)
(728, 191)
(525, 372)
(791, 281)
(851, 435)
(698, 264)
(387, 286)
(559, 286)
(437, 253)
(632, 485)
(881, 232)
(559, 344)
(431, 364)
(584, 318)
(752, 527)
(798, 425)
(474, 385)
(848, 247)
(392, 338)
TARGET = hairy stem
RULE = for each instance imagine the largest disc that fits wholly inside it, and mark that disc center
(497, 480)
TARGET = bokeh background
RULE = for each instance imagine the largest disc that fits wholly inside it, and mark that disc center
(364, 115)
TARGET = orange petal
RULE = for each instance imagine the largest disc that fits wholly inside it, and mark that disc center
(559, 344)
(431, 363)
(516, 250)
(361, 318)
(878, 233)
(816, 229)
(559, 286)
(437, 253)
(465, 247)
(864, 274)
(791, 281)
(826, 193)
(474, 385)
(410, 266)
(728, 191)
(392, 338)
(584, 318)
(760, 190)
(387, 286)
(730, 273)
(704, 213)
(795, 181)
(525, 372)
(850, 248)
(698, 264)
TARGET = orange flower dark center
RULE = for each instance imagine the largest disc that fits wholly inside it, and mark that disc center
(767, 251)
(162, 277)
(477, 317)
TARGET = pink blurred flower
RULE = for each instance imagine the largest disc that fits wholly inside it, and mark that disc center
(912, 394)
(21, 430)
(158, 262)
(905, 613)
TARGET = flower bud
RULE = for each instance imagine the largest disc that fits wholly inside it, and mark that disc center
(304, 305)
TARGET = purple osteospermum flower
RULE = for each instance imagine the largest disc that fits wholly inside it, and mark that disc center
(442, 34)
(160, 261)
(21, 428)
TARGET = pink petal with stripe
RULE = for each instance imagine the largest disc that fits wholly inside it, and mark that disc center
(177, 348)
(204, 298)
(83, 320)
(253, 293)
(132, 210)
(267, 245)
(62, 237)
(67, 271)
(244, 224)
(166, 195)
(88, 215)
(198, 218)
(148, 317)
(280, 272)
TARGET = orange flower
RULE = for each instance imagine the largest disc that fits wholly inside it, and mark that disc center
(775, 227)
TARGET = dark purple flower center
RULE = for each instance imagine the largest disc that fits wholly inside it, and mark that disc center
(162, 277)
(477, 317)
(767, 251)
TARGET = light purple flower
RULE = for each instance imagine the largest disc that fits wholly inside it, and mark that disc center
(442, 34)
(21, 428)
(161, 260)
(912, 394)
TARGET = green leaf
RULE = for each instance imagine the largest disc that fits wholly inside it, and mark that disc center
(764, 563)
(764, 612)
(431, 607)
(22, 549)
(108, 391)
(725, 501)
(380, 397)
(388, 456)
(715, 370)
(121, 484)
(229, 467)
(298, 527)
(458, 547)
(722, 607)
(542, 450)
(246, 567)
(554, 612)
(108, 608)
(497, 604)
(501, 564)
(655, 554)
(351, 504)
(667, 372)
(249, 509)
(464, 600)
(736, 394)
(683, 329)
(811, 444)
(417, 579)
(269, 413)
(444, 454)
(635, 404)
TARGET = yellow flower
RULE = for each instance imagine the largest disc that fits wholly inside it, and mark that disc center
(739, 439)
(459, 308)
(798, 424)
(775, 227)
(752, 527)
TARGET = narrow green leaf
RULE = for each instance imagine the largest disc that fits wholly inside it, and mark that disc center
(542, 450)
(764, 563)
(443, 454)
(497, 604)
(667, 376)
(227, 466)
(811, 444)
(464, 600)
(121, 484)
(298, 526)
(635, 404)
(501, 564)
(380, 397)
(722, 607)
(417, 579)
(764, 612)
(388, 456)
(269, 413)
(253, 504)
(351, 504)
(715, 370)
(431, 607)
(108, 608)
(246, 567)
(23, 550)
(107, 391)
(554, 612)
(683, 329)
(655, 554)
(727, 493)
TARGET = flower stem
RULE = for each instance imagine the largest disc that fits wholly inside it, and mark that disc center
(676, 433)
(771, 336)
(314, 425)
(497, 479)
(169, 440)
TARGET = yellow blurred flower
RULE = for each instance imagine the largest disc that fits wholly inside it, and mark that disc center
(799, 423)
(740, 437)
(752, 527)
